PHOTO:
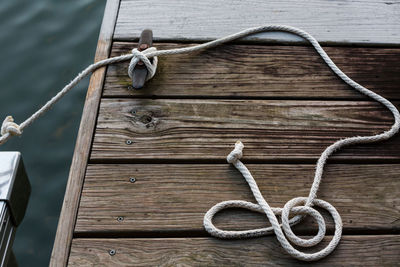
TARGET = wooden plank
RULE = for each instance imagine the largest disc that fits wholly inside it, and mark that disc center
(361, 22)
(66, 223)
(174, 198)
(259, 71)
(352, 251)
(207, 129)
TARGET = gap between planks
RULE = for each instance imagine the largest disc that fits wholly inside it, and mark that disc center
(202, 234)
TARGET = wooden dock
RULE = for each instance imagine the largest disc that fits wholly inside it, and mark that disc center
(272, 92)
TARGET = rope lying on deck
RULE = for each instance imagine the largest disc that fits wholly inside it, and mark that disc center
(299, 206)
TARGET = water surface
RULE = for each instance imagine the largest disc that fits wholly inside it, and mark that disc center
(43, 45)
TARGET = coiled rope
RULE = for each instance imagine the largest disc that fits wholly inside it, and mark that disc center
(299, 206)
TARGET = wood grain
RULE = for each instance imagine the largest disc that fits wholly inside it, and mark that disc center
(362, 22)
(207, 129)
(352, 251)
(66, 223)
(260, 71)
(315, 109)
(174, 198)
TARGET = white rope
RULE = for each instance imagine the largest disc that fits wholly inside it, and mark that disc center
(9, 129)
(141, 56)
(299, 206)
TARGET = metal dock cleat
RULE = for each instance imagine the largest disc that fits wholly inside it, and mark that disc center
(140, 72)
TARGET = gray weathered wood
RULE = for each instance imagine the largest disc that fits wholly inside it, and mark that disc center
(363, 22)
(352, 251)
(66, 223)
(171, 199)
(207, 129)
(174, 198)
(261, 71)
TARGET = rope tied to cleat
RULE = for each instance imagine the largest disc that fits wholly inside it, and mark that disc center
(300, 206)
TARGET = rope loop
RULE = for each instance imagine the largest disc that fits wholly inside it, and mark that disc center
(143, 56)
(299, 206)
(10, 127)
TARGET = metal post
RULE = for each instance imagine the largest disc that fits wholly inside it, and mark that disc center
(14, 195)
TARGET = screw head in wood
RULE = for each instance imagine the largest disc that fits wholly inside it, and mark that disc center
(129, 142)
(112, 252)
(120, 219)
(132, 179)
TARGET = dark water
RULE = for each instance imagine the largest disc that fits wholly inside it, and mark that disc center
(43, 45)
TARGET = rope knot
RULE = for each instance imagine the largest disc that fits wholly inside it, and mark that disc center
(10, 127)
(236, 154)
(144, 57)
